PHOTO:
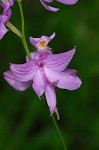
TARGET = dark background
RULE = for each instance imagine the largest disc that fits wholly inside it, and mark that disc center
(25, 123)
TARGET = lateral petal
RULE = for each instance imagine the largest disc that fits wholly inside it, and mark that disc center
(20, 86)
(38, 83)
(63, 80)
(59, 62)
(24, 72)
(51, 98)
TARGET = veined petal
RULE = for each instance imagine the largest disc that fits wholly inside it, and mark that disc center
(24, 68)
(38, 83)
(63, 80)
(20, 86)
(67, 2)
(24, 72)
(49, 7)
(60, 61)
(51, 98)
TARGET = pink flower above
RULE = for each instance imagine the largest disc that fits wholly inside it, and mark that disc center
(44, 72)
(5, 16)
(50, 8)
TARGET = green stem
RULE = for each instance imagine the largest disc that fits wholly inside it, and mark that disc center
(59, 133)
(23, 30)
(57, 129)
(13, 29)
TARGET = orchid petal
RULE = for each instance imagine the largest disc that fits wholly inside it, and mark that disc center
(3, 29)
(6, 12)
(49, 38)
(67, 2)
(38, 84)
(5, 18)
(11, 2)
(49, 7)
(35, 41)
(20, 86)
(24, 72)
(60, 61)
(63, 80)
(51, 98)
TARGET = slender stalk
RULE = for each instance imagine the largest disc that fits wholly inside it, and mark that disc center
(13, 29)
(59, 133)
(23, 30)
(57, 129)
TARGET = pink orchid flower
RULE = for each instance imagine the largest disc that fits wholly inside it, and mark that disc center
(44, 72)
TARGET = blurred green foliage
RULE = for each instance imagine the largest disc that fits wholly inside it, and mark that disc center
(25, 123)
